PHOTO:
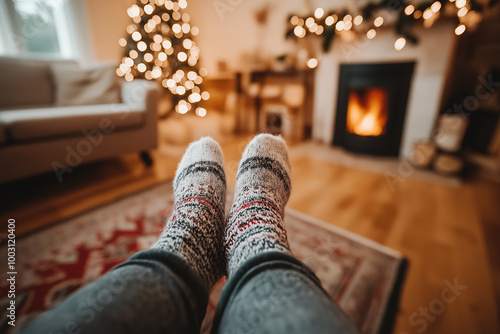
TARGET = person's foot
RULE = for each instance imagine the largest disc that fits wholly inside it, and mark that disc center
(195, 229)
(255, 222)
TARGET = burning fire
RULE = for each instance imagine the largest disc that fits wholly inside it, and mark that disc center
(367, 111)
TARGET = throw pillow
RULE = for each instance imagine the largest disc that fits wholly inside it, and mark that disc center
(75, 85)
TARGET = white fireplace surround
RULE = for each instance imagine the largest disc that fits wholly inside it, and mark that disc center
(432, 56)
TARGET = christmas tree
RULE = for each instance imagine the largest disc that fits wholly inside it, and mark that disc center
(159, 46)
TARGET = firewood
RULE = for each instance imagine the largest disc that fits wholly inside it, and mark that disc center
(422, 153)
(448, 164)
(451, 132)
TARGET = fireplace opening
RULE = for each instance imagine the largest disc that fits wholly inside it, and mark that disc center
(367, 111)
(371, 107)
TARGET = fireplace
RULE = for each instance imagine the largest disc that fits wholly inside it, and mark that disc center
(371, 107)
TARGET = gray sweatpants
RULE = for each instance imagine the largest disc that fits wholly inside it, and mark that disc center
(157, 292)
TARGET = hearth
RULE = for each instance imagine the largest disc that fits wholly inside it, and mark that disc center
(371, 107)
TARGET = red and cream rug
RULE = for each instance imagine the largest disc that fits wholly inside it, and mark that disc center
(362, 276)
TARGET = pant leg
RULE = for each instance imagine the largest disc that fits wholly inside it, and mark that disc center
(153, 292)
(275, 293)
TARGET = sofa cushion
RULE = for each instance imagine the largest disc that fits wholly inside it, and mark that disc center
(33, 124)
(3, 134)
(96, 84)
(24, 82)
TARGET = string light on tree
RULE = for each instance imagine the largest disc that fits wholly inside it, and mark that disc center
(400, 43)
(460, 30)
(378, 21)
(340, 25)
(201, 112)
(436, 6)
(160, 46)
(428, 13)
(299, 31)
(462, 11)
(370, 34)
(319, 12)
(330, 20)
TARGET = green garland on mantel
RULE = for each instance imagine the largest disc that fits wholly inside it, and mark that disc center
(468, 13)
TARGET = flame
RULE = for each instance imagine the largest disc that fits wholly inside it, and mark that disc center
(367, 111)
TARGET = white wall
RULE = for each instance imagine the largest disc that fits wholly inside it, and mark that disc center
(107, 21)
(233, 34)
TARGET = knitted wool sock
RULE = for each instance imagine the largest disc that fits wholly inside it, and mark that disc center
(255, 222)
(195, 229)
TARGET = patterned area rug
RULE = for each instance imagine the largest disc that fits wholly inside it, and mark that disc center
(362, 276)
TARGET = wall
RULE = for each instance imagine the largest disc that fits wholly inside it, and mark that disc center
(233, 36)
(107, 21)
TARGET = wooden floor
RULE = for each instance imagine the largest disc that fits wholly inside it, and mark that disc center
(447, 234)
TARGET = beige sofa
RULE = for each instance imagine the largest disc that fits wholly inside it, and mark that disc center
(39, 133)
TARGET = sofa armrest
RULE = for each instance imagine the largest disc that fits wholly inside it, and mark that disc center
(141, 93)
(144, 95)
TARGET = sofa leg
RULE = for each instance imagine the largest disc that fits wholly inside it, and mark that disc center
(146, 158)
